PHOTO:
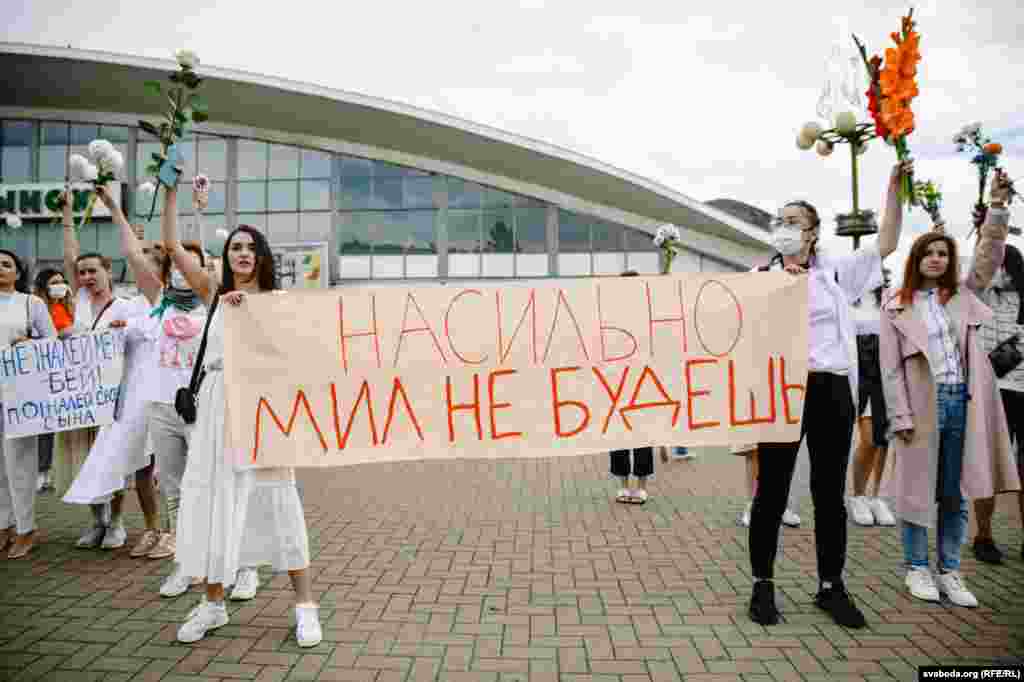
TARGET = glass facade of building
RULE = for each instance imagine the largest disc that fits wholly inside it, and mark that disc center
(383, 221)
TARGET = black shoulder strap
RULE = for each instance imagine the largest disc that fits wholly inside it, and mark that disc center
(777, 258)
(197, 368)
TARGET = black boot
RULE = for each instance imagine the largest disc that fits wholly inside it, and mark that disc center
(762, 603)
(986, 550)
(836, 601)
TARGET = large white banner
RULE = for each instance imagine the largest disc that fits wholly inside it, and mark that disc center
(524, 369)
(61, 384)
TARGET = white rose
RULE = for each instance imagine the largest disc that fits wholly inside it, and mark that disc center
(187, 58)
(100, 150)
(673, 233)
(77, 165)
(116, 163)
(824, 148)
(146, 189)
(810, 131)
(846, 122)
(222, 233)
(659, 239)
(91, 173)
(13, 221)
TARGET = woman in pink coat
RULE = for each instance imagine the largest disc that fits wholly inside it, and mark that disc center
(950, 438)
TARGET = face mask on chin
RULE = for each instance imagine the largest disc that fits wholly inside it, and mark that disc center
(58, 291)
(787, 240)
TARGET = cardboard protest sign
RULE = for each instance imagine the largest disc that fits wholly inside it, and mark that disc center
(524, 369)
(61, 384)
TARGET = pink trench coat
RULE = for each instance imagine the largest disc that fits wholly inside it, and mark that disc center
(911, 398)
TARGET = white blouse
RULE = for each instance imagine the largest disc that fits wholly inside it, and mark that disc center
(943, 349)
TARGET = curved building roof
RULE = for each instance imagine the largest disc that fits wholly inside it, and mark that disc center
(43, 78)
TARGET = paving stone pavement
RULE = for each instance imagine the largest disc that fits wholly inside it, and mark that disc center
(507, 570)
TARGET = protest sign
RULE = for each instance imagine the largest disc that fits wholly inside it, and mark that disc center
(522, 369)
(301, 266)
(61, 384)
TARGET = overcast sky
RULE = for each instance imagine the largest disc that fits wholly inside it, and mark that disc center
(704, 97)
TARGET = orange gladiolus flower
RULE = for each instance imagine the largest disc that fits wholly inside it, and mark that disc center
(897, 81)
(993, 148)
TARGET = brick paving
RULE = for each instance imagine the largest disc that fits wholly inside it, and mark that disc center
(507, 570)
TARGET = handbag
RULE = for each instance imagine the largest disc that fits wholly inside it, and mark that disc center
(1006, 356)
(186, 396)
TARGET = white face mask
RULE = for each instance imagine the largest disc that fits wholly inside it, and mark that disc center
(178, 280)
(787, 240)
(58, 291)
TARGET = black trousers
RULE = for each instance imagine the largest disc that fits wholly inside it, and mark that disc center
(643, 463)
(828, 426)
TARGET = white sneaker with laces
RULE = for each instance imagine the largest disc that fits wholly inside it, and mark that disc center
(115, 538)
(177, 584)
(246, 583)
(860, 511)
(883, 516)
(307, 626)
(952, 585)
(744, 519)
(92, 537)
(207, 616)
(921, 584)
(790, 518)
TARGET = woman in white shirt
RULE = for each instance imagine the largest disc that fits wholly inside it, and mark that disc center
(22, 316)
(829, 408)
(870, 456)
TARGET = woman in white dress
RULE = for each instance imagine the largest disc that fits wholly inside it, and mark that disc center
(119, 449)
(22, 316)
(230, 518)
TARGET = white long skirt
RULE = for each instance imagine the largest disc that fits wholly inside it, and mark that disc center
(227, 518)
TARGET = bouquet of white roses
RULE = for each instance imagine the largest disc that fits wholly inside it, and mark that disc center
(667, 238)
(104, 164)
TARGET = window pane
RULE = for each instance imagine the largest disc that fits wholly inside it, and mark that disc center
(644, 262)
(420, 266)
(83, 134)
(354, 237)
(213, 157)
(498, 264)
(573, 233)
(532, 230)
(283, 195)
(115, 134)
(382, 169)
(315, 227)
(14, 164)
(355, 192)
(109, 239)
(353, 167)
(284, 161)
(573, 264)
(463, 194)
(609, 263)
(316, 195)
(252, 196)
(387, 193)
(637, 240)
(50, 242)
(499, 233)
(282, 228)
(422, 237)
(419, 193)
(143, 157)
(252, 160)
(53, 161)
(464, 265)
(388, 267)
(55, 133)
(607, 237)
(532, 265)
(496, 198)
(257, 220)
(463, 231)
(316, 164)
(354, 267)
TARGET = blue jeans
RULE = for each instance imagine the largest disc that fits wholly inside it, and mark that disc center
(952, 516)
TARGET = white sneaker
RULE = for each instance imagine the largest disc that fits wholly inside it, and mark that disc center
(115, 538)
(307, 626)
(208, 616)
(790, 518)
(177, 584)
(952, 585)
(92, 537)
(921, 584)
(744, 519)
(860, 511)
(883, 517)
(246, 583)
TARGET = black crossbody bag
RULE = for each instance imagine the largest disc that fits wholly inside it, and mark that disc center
(186, 397)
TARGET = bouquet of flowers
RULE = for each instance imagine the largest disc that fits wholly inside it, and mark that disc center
(667, 238)
(104, 164)
(930, 198)
(893, 87)
(984, 153)
(183, 106)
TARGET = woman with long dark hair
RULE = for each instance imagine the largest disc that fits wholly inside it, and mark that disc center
(950, 439)
(218, 533)
(829, 407)
(22, 316)
(1005, 297)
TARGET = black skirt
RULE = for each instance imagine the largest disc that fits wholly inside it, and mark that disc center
(869, 387)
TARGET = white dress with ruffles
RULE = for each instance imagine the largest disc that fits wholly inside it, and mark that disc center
(232, 518)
